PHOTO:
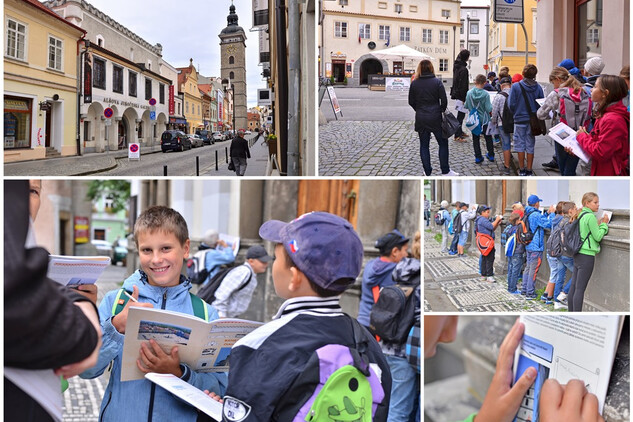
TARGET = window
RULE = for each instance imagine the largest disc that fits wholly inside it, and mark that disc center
(592, 36)
(100, 40)
(87, 130)
(17, 122)
(55, 53)
(474, 49)
(461, 45)
(187, 106)
(161, 93)
(383, 32)
(342, 2)
(117, 79)
(427, 35)
(340, 29)
(231, 60)
(474, 13)
(443, 37)
(178, 109)
(413, 9)
(148, 88)
(405, 34)
(443, 65)
(461, 28)
(231, 75)
(132, 83)
(474, 27)
(140, 130)
(364, 31)
(16, 40)
(398, 8)
(446, 13)
(99, 73)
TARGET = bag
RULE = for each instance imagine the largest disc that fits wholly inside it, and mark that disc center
(231, 166)
(485, 243)
(506, 233)
(393, 314)
(511, 244)
(196, 272)
(457, 223)
(199, 306)
(536, 125)
(450, 227)
(507, 119)
(337, 383)
(574, 114)
(439, 218)
(472, 123)
(571, 241)
(449, 124)
(207, 292)
(554, 247)
(523, 231)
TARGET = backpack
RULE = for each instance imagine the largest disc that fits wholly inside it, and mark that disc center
(439, 218)
(574, 114)
(571, 241)
(511, 243)
(507, 118)
(457, 223)
(199, 306)
(393, 314)
(207, 292)
(523, 231)
(485, 243)
(196, 271)
(472, 122)
(554, 247)
(450, 227)
(506, 234)
(337, 383)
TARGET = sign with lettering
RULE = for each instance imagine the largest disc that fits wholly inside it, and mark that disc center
(172, 106)
(397, 84)
(508, 11)
(88, 78)
(134, 152)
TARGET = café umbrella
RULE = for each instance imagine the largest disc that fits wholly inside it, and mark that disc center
(402, 52)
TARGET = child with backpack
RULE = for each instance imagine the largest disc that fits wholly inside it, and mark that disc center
(608, 143)
(568, 103)
(277, 367)
(463, 226)
(443, 219)
(162, 240)
(561, 289)
(503, 120)
(591, 233)
(213, 252)
(485, 241)
(452, 226)
(553, 254)
(515, 253)
(531, 234)
(478, 102)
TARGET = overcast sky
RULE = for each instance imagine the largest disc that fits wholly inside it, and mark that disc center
(189, 29)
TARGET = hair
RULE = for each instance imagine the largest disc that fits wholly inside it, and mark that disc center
(444, 204)
(416, 246)
(165, 219)
(504, 71)
(463, 55)
(529, 71)
(458, 204)
(626, 72)
(323, 292)
(559, 207)
(514, 217)
(387, 252)
(588, 197)
(572, 83)
(559, 72)
(617, 90)
(425, 66)
(567, 206)
(480, 79)
(517, 206)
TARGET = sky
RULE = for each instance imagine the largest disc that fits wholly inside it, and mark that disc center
(189, 29)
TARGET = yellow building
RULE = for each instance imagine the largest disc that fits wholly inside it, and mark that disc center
(507, 41)
(40, 82)
(188, 85)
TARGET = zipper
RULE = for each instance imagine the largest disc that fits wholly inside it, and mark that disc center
(153, 388)
(105, 407)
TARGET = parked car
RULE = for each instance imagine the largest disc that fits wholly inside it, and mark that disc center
(206, 136)
(120, 252)
(218, 136)
(104, 248)
(174, 140)
(196, 141)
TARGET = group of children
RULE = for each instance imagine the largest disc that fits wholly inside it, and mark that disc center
(524, 252)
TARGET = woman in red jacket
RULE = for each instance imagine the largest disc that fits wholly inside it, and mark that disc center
(608, 143)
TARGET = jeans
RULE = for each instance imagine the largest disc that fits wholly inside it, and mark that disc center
(444, 236)
(523, 138)
(566, 163)
(454, 243)
(506, 141)
(566, 263)
(427, 217)
(583, 267)
(531, 269)
(425, 154)
(240, 165)
(489, 145)
(404, 390)
(554, 264)
(515, 263)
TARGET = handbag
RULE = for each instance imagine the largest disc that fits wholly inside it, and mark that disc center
(449, 124)
(536, 125)
(485, 243)
(231, 166)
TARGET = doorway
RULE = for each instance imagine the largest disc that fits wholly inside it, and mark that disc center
(369, 67)
(122, 134)
(338, 70)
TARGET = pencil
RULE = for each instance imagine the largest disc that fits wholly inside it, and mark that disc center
(130, 296)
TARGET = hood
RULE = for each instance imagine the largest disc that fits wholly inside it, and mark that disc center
(407, 271)
(618, 108)
(530, 85)
(478, 93)
(427, 76)
(377, 270)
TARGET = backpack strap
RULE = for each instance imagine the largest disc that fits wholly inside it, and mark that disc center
(200, 308)
(582, 242)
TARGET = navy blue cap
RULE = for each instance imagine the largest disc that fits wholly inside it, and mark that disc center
(533, 199)
(323, 246)
(391, 240)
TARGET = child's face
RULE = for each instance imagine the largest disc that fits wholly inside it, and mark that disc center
(594, 204)
(486, 213)
(281, 273)
(438, 329)
(401, 252)
(597, 94)
(161, 256)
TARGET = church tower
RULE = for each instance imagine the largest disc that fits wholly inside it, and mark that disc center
(233, 65)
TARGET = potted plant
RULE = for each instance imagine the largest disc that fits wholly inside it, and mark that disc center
(271, 140)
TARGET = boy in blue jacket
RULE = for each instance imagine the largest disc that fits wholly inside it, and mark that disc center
(537, 222)
(162, 240)
(479, 99)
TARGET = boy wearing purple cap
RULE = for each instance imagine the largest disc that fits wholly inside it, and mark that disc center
(317, 257)
(537, 222)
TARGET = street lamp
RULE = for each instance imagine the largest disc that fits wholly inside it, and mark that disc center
(225, 84)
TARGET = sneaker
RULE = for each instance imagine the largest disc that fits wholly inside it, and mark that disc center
(444, 250)
(516, 292)
(490, 157)
(549, 301)
(531, 297)
(452, 253)
(523, 293)
(564, 302)
(529, 173)
(450, 173)
(479, 160)
(562, 296)
(522, 172)
(491, 280)
(505, 171)
(552, 165)
(544, 297)
(559, 305)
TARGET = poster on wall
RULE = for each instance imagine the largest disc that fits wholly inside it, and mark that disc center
(88, 78)
(328, 70)
(82, 229)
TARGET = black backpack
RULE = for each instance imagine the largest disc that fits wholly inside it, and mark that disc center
(457, 223)
(507, 119)
(207, 292)
(196, 272)
(393, 314)
(554, 242)
(524, 232)
(571, 242)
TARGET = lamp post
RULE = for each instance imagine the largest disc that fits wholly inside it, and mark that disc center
(226, 83)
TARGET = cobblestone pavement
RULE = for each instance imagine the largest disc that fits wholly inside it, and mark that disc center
(454, 284)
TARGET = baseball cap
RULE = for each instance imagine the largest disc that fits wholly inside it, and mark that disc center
(258, 252)
(491, 74)
(389, 241)
(484, 208)
(517, 78)
(323, 246)
(533, 199)
(210, 237)
(505, 80)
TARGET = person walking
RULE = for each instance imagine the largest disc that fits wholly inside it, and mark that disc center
(427, 97)
(460, 89)
(239, 153)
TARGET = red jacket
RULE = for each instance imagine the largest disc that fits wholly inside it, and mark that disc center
(608, 143)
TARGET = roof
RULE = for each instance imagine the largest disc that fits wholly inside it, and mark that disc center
(46, 10)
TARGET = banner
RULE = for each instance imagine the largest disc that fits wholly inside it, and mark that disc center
(88, 78)
(172, 107)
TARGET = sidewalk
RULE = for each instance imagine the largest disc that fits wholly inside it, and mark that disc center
(454, 284)
(257, 165)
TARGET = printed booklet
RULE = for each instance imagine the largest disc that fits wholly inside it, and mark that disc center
(566, 347)
(204, 346)
(233, 242)
(76, 270)
(188, 393)
(566, 136)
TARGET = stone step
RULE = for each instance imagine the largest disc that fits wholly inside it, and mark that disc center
(52, 152)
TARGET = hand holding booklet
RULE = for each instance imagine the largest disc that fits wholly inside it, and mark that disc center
(76, 270)
(566, 136)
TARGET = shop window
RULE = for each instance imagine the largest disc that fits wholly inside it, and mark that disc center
(340, 29)
(55, 53)
(427, 35)
(132, 83)
(383, 32)
(99, 73)
(364, 31)
(100, 234)
(16, 40)
(161, 93)
(443, 37)
(405, 34)
(148, 88)
(17, 122)
(117, 79)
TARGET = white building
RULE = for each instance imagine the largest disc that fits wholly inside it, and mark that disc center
(473, 34)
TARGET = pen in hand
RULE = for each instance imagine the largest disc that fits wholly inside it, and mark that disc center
(130, 296)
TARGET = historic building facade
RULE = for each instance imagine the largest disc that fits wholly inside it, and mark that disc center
(233, 65)
(188, 87)
(473, 35)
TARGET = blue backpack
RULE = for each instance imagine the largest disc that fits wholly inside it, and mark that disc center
(472, 122)
(508, 240)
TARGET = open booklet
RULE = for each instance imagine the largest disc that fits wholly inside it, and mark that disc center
(566, 347)
(566, 136)
(232, 241)
(188, 393)
(601, 213)
(75, 270)
(204, 346)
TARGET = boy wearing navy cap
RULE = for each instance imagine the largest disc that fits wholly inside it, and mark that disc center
(317, 257)
(534, 250)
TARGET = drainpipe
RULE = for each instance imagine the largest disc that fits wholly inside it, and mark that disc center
(294, 71)
(79, 88)
(282, 84)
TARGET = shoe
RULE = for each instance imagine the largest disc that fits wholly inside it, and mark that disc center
(530, 297)
(450, 173)
(444, 250)
(559, 305)
(544, 297)
(505, 171)
(522, 172)
(552, 165)
(516, 292)
(562, 296)
(549, 301)
(564, 302)
(479, 160)
(452, 253)
(529, 173)
(490, 157)
(491, 280)
(523, 293)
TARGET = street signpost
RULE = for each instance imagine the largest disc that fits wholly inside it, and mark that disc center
(134, 152)
(508, 11)
(108, 113)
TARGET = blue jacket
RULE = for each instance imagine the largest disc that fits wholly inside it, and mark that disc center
(479, 99)
(215, 258)
(484, 226)
(130, 400)
(427, 96)
(377, 273)
(537, 223)
(516, 102)
(447, 217)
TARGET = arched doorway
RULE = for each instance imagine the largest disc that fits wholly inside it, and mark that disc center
(369, 67)
(122, 134)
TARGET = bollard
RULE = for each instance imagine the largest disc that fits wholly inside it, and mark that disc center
(226, 153)
(216, 160)
(164, 170)
(197, 165)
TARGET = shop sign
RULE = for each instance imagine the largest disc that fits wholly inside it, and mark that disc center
(172, 106)
(397, 84)
(88, 78)
(508, 11)
(16, 105)
(339, 55)
(260, 13)
(82, 229)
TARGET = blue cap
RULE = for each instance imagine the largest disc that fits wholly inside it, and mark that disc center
(484, 208)
(323, 246)
(533, 199)
(389, 241)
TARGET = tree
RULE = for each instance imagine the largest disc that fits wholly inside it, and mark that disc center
(116, 190)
